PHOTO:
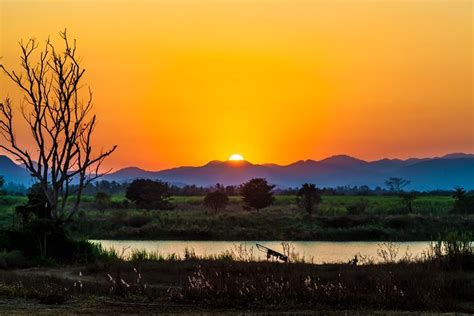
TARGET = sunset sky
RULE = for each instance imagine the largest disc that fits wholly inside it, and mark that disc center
(182, 82)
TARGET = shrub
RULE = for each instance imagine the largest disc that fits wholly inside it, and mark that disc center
(36, 207)
(257, 193)
(43, 240)
(149, 194)
(455, 248)
(308, 197)
(216, 200)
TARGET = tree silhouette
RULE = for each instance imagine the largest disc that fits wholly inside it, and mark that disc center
(308, 197)
(216, 200)
(257, 193)
(149, 194)
(459, 193)
(61, 123)
(396, 184)
(37, 206)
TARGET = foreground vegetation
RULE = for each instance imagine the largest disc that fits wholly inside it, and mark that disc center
(442, 280)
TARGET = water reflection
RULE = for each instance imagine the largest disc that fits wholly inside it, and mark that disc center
(316, 251)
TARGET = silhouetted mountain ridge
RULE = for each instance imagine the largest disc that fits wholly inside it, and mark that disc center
(444, 172)
(425, 173)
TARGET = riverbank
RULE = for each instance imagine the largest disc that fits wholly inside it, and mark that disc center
(311, 251)
(268, 224)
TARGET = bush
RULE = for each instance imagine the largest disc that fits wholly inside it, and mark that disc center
(309, 197)
(149, 194)
(257, 193)
(216, 200)
(455, 249)
(45, 241)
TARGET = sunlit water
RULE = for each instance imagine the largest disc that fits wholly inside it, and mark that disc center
(312, 251)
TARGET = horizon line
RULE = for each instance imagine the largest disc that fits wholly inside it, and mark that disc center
(284, 165)
(271, 163)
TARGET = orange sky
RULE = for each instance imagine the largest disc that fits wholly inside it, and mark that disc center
(182, 82)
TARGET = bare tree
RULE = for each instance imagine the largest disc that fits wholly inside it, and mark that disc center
(396, 184)
(59, 117)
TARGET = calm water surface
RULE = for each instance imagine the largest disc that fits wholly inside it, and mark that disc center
(318, 251)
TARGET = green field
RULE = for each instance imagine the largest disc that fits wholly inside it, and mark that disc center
(382, 218)
(331, 205)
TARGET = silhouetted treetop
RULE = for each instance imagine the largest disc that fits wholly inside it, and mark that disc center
(257, 193)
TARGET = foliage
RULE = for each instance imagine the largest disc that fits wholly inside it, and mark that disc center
(308, 197)
(216, 200)
(455, 249)
(394, 286)
(149, 194)
(37, 206)
(257, 193)
(46, 241)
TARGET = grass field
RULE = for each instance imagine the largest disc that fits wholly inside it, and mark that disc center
(331, 205)
(382, 218)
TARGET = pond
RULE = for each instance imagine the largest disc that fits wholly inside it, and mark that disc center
(312, 251)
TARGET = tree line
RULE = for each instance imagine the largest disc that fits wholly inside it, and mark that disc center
(257, 194)
(119, 188)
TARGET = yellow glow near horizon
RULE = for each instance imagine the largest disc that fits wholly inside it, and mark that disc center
(184, 82)
(236, 157)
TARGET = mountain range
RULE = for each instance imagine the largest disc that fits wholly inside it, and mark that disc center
(444, 172)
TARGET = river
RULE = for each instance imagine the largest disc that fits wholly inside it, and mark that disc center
(312, 251)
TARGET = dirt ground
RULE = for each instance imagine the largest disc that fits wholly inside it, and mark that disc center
(105, 307)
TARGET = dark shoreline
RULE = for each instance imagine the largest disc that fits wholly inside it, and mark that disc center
(395, 228)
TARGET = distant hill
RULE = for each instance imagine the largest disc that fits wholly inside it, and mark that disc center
(12, 172)
(444, 172)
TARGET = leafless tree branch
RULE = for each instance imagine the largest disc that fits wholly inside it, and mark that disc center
(60, 122)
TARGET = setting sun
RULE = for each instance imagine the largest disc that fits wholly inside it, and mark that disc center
(236, 157)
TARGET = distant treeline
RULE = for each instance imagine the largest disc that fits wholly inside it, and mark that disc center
(113, 187)
(11, 188)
